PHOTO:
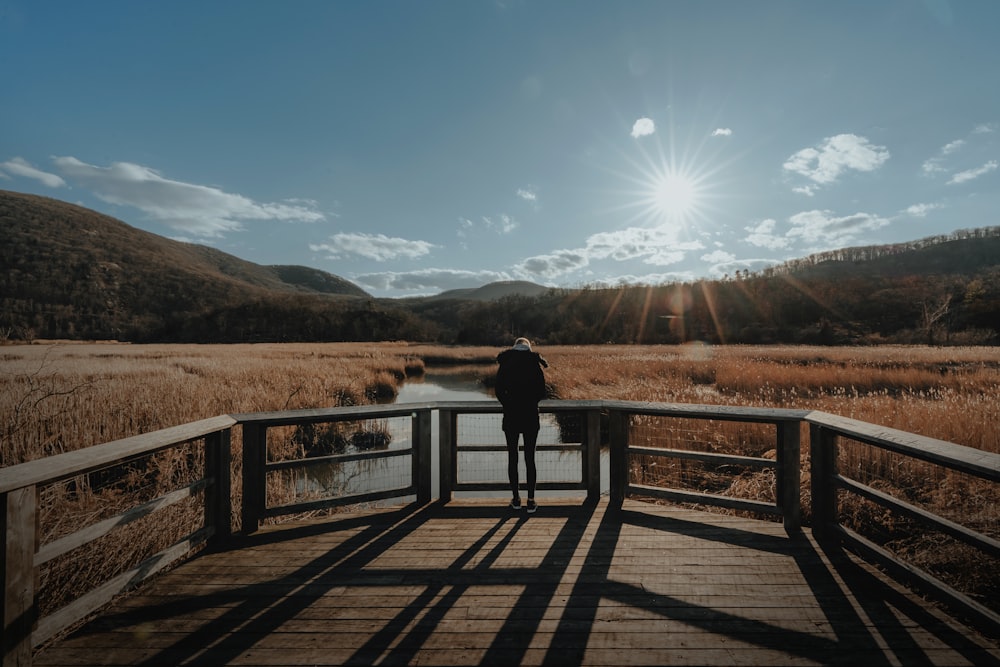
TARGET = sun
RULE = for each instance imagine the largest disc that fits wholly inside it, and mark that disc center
(674, 195)
(666, 191)
(666, 181)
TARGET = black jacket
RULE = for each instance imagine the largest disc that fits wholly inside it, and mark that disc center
(520, 383)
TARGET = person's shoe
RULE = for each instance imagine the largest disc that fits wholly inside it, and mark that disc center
(515, 504)
(532, 506)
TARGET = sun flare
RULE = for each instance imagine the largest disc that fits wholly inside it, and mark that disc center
(674, 194)
(671, 183)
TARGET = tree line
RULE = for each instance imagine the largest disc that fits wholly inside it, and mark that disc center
(941, 292)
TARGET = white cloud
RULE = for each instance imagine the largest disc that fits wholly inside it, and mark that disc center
(657, 245)
(465, 225)
(664, 257)
(527, 194)
(718, 257)
(20, 167)
(932, 166)
(554, 264)
(807, 190)
(937, 164)
(373, 246)
(763, 236)
(953, 146)
(504, 224)
(429, 280)
(734, 265)
(195, 209)
(821, 227)
(722, 132)
(921, 210)
(501, 224)
(645, 279)
(969, 174)
(643, 127)
(834, 155)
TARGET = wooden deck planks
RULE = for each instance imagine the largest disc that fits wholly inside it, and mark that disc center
(472, 582)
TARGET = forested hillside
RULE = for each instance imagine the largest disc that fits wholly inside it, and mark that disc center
(943, 290)
(68, 272)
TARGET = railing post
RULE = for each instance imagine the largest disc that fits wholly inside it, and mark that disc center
(254, 475)
(20, 541)
(421, 438)
(592, 453)
(618, 437)
(218, 494)
(447, 446)
(823, 467)
(789, 475)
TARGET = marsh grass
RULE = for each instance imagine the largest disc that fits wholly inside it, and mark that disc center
(951, 394)
(56, 398)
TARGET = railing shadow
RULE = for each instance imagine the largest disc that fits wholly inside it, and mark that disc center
(256, 614)
(836, 581)
(888, 610)
(868, 617)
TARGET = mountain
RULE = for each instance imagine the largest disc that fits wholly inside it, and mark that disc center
(316, 280)
(69, 272)
(491, 291)
(964, 252)
(73, 272)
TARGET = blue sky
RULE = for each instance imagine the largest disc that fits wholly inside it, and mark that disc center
(414, 147)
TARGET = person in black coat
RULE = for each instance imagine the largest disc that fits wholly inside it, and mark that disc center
(520, 385)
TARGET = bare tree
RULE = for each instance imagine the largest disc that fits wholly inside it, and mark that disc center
(932, 314)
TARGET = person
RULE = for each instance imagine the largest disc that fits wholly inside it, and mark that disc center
(520, 385)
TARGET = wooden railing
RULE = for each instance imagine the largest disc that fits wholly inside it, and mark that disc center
(23, 554)
(827, 434)
(600, 424)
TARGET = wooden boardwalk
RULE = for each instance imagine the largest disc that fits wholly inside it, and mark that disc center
(472, 582)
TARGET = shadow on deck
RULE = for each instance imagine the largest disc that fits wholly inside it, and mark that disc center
(473, 582)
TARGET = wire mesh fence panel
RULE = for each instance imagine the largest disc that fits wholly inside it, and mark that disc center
(966, 500)
(335, 478)
(482, 450)
(725, 478)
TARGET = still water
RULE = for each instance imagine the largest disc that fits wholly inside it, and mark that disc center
(485, 430)
(443, 387)
(473, 430)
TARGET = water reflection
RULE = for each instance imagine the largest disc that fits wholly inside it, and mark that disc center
(461, 386)
(478, 429)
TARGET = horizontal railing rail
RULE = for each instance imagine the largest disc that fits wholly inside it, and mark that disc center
(826, 435)
(451, 446)
(23, 554)
(786, 466)
(256, 466)
(599, 425)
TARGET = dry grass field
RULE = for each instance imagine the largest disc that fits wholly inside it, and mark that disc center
(60, 397)
(57, 398)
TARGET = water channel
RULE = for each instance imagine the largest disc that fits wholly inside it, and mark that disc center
(474, 466)
(486, 430)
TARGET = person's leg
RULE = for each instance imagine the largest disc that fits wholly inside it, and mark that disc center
(530, 440)
(512, 437)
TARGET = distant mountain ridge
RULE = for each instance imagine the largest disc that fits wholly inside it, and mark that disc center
(77, 234)
(96, 274)
(69, 272)
(492, 291)
(963, 251)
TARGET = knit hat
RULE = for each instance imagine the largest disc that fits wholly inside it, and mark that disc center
(522, 344)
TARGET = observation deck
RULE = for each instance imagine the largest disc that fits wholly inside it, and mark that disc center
(433, 572)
